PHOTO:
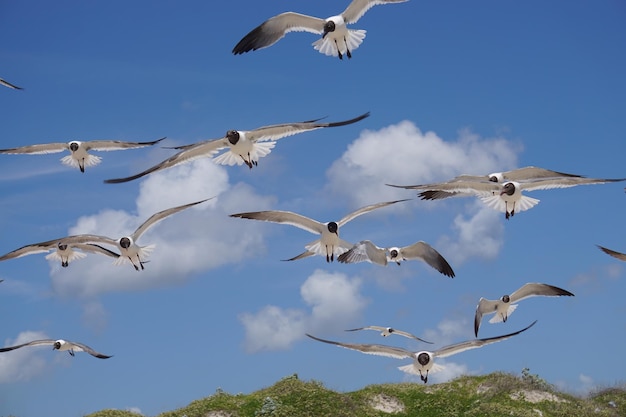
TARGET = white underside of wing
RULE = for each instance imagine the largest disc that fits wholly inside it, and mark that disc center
(497, 203)
(497, 318)
(90, 160)
(413, 370)
(73, 255)
(143, 252)
(259, 150)
(327, 45)
(317, 248)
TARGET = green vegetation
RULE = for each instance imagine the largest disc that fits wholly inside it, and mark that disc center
(496, 394)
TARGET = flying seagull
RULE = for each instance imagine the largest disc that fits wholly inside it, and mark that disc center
(63, 250)
(423, 361)
(336, 39)
(79, 151)
(618, 255)
(504, 196)
(504, 306)
(387, 331)
(130, 251)
(329, 244)
(528, 173)
(365, 250)
(8, 84)
(244, 146)
(60, 344)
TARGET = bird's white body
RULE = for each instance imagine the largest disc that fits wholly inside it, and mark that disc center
(341, 41)
(244, 151)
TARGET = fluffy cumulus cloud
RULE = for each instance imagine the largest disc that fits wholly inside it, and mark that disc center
(22, 364)
(477, 235)
(402, 154)
(188, 242)
(334, 299)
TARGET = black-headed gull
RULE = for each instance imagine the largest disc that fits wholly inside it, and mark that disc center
(618, 255)
(365, 250)
(528, 173)
(63, 250)
(60, 345)
(504, 306)
(505, 196)
(423, 361)
(79, 151)
(8, 84)
(388, 331)
(130, 251)
(336, 40)
(329, 244)
(244, 146)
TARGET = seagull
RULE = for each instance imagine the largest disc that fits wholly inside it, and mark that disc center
(528, 173)
(387, 331)
(504, 306)
(64, 250)
(8, 84)
(130, 251)
(79, 156)
(244, 146)
(336, 39)
(618, 255)
(505, 196)
(423, 361)
(365, 250)
(60, 344)
(329, 244)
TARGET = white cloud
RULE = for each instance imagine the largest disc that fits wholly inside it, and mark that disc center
(335, 301)
(24, 363)
(194, 240)
(94, 315)
(449, 331)
(135, 410)
(480, 235)
(402, 154)
(273, 328)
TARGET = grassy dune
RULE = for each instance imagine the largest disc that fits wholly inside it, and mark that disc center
(496, 394)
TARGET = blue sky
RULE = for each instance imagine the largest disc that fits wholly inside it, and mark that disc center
(452, 86)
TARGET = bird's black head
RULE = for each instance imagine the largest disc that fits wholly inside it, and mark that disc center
(125, 242)
(508, 189)
(333, 227)
(506, 298)
(393, 253)
(62, 246)
(74, 146)
(493, 178)
(57, 345)
(232, 136)
(423, 358)
(329, 26)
